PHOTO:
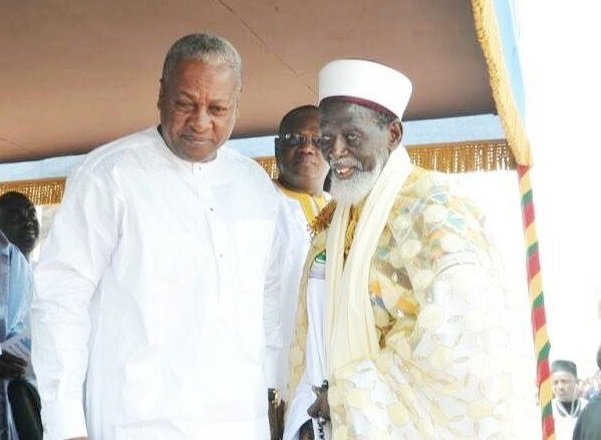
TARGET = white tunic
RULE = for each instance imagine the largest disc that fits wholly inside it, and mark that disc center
(298, 239)
(566, 422)
(154, 290)
(315, 369)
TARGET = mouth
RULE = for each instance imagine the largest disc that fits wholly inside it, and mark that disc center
(29, 235)
(344, 173)
(345, 170)
(305, 161)
(192, 140)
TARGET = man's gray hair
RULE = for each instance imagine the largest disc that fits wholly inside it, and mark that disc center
(209, 48)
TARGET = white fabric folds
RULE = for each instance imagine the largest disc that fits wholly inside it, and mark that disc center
(350, 329)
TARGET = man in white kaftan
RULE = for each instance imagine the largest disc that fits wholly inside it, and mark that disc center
(155, 314)
(301, 174)
(414, 345)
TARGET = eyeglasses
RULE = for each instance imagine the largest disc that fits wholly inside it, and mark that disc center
(296, 139)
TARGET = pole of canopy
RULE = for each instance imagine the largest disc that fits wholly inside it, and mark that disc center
(537, 302)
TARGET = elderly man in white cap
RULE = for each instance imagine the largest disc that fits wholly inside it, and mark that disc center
(399, 330)
(567, 405)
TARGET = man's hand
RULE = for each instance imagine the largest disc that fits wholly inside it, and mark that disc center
(11, 366)
(276, 410)
(320, 408)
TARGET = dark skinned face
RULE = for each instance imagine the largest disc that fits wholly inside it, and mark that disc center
(19, 223)
(352, 140)
(300, 163)
(563, 385)
(198, 106)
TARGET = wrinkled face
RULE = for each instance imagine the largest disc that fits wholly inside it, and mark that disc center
(300, 162)
(564, 386)
(19, 222)
(356, 147)
(198, 106)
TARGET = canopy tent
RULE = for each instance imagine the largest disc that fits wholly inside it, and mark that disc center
(85, 73)
(89, 74)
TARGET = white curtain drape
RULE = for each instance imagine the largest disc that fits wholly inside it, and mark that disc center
(559, 43)
(497, 194)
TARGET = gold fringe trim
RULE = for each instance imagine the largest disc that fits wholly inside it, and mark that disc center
(269, 165)
(458, 157)
(464, 157)
(39, 191)
(489, 37)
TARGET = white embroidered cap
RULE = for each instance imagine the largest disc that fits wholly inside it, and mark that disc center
(362, 80)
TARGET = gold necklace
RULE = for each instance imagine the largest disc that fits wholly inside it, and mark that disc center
(350, 228)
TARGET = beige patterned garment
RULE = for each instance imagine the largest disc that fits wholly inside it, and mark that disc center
(445, 368)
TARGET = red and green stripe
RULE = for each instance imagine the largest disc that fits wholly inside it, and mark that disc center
(537, 304)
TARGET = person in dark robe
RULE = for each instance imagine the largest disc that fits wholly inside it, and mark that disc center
(588, 425)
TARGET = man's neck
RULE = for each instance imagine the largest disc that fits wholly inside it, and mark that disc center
(25, 253)
(570, 409)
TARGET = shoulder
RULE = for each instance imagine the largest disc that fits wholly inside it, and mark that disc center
(19, 266)
(432, 208)
(119, 152)
(4, 243)
(242, 162)
(434, 197)
(433, 187)
(246, 169)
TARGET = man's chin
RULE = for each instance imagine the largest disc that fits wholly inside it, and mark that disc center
(350, 191)
(198, 151)
(308, 170)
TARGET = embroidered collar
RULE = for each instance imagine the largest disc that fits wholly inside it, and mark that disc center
(311, 204)
(571, 409)
(323, 219)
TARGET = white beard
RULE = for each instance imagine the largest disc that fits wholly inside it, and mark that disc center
(353, 190)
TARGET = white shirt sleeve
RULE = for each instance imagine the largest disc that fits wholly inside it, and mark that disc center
(83, 237)
(271, 314)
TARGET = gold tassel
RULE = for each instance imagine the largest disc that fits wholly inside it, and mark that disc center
(489, 37)
(463, 157)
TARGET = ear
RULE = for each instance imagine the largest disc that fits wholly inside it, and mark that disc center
(277, 148)
(162, 92)
(395, 131)
(237, 115)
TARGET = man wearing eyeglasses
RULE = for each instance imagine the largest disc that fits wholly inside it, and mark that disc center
(302, 171)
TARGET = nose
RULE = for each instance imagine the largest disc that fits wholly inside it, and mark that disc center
(200, 118)
(309, 147)
(338, 148)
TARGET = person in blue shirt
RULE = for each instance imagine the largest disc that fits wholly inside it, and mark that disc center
(19, 232)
